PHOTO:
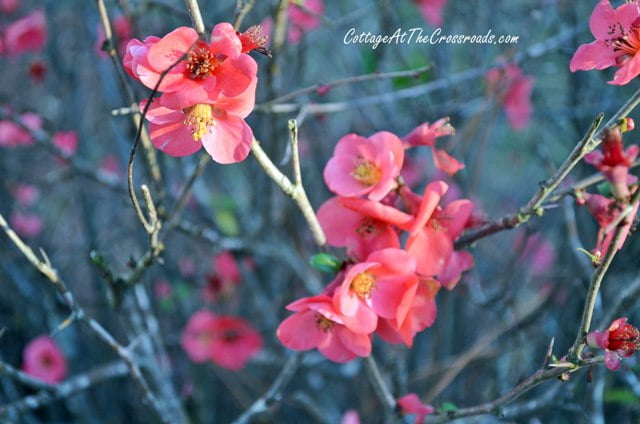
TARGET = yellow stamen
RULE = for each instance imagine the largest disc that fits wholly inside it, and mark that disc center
(324, 323)
(367, 173)
(363, 283)
(200, 118)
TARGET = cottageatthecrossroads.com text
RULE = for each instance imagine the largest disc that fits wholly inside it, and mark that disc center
(420, 36)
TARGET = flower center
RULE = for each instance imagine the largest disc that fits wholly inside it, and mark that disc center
(200, 62)
(363, 283)
(368, 228)
(628, 44)
(323, 323)
(200, 118)
(367, 173)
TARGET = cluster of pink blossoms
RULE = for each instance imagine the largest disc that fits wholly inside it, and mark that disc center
(383, 287)
(613, 161)
(24, 35)
(207, 91)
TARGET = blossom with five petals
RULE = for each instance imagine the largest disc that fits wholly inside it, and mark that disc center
(617, 42)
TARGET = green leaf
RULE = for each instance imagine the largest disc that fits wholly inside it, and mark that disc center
(621, 396)
(448, 407)
(325, 262)
(605, 189)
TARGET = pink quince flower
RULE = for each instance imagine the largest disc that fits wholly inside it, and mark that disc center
(66, 142)
(411, 404)
(365, 166)
(617, 41)
(26, 34)
(162, 289)
(12, 134)
(26, 224)
(426, 135)
(43, 360)
(207, 72)
(229, 342)
(538, 253)
(223, 279)
(26, 194)
(614, 162)
(513, 88)
(620, 340)
(304, 15)
(382, 286)
(316, 324)
(431, 10)
(9, 6)
(362, 226)
(421, 315)
(219, 127)
(123, 31)
(435, 229)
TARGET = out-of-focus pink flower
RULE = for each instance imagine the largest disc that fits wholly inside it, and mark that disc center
(187, 266)
(26, 224)
(621, 339)
(426, 135)
(26, 195)
(12, 134)
(229, 342)
(208, 71)
(26, 34)
(613, 161)
(43, 359)
(66, 142)
(365, 166)
(226, 266)
(431, 10)
(123, 31)
(317, 324)
(360, 225)
(617, 42)
(162, 289)
(9, 6)
(304, 15)
(110, 167)
(224, 277)
(513, 88)
(538, 253)
(382, 286)
(38, 71)
(350, 417)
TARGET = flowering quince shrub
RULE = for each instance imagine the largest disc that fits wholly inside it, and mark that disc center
(382, 287)
(447, 211)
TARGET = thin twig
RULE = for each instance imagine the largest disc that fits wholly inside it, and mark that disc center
(379, 385)
(45, 267)
(274, 393)
(538, 377)
(594, 287)
(409, 73)
(196, 16)
(242, 8)
(67, 388)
